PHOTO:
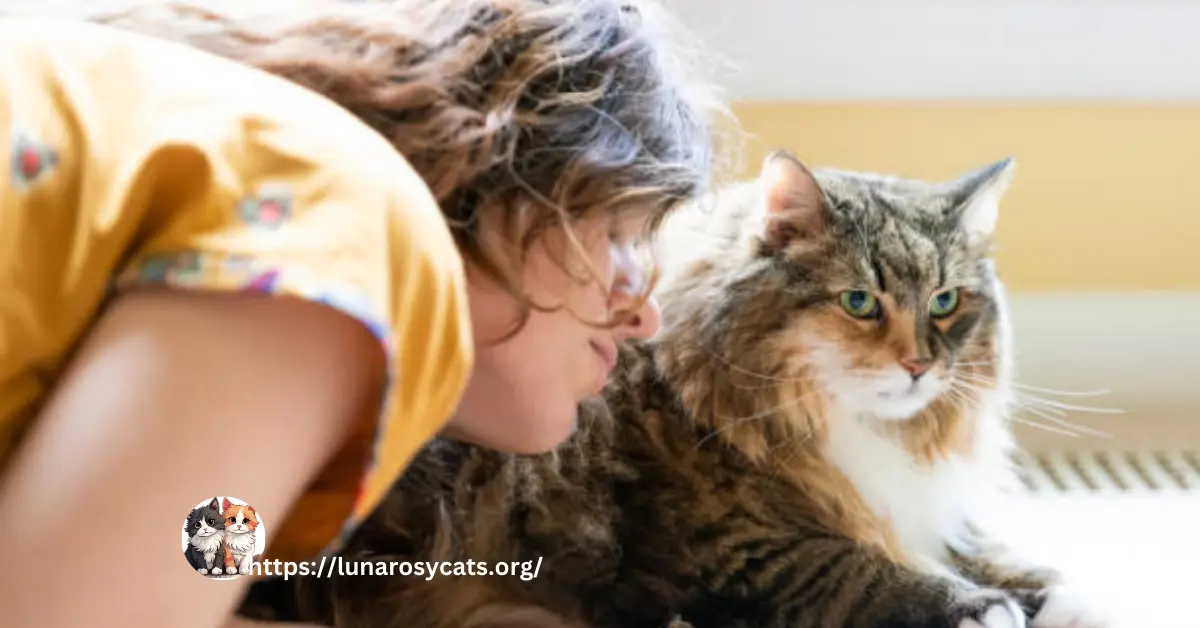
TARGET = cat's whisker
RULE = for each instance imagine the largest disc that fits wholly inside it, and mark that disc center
(977, 378)
(1052, 424)
(764, 414)
(1037, 389)
(730, 425)
(1052, 414)
(963, 396)
(1063, 393)
(1027, 398)
(957, 399)
(967, 387)
(1018, 400)
(1069, 406)
(978, 363)
(772, 385)
(1020, 403)
(795, 442)
(744, 371)
(1048, 428)
(1080, 429)
(854, 377)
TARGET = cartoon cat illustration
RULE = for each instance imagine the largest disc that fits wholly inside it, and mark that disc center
(205, 529)
(241, 522)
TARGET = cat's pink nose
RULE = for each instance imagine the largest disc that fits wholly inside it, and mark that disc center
(916, 366)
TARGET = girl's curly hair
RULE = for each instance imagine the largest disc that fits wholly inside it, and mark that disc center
(546, 111)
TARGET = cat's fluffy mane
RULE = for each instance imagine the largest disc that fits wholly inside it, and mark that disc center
(763, 398)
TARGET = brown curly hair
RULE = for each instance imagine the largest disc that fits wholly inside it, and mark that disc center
(548, 111)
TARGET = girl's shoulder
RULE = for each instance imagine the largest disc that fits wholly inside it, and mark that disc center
(109, 97)
(149, 163)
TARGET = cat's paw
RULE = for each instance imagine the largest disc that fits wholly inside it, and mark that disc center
(987, 608)
(244, 570)
(1067, 607)
(202, 571)
(217, 571)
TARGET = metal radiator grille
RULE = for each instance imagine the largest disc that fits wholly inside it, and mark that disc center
(1110, 471)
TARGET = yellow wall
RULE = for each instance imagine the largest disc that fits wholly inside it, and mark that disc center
(1106, 197)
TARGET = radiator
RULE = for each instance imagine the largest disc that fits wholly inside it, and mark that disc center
(1112, 496)
(1110, 472)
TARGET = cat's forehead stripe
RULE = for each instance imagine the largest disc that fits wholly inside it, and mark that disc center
(902, 246)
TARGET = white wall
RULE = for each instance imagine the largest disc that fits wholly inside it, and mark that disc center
(1143, 348)
(959, 49)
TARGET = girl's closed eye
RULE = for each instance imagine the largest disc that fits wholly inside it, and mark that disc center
(628, 274)
(625, 235)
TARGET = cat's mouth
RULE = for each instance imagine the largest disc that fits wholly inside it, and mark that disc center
(904, 394)
(903, 401)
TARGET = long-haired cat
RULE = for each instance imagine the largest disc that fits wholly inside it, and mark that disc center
(816, 438)
(241, 524)
(205, 530)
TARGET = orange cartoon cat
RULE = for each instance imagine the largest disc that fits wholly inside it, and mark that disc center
(241, 522)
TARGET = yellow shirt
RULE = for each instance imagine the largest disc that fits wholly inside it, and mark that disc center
(127, 160)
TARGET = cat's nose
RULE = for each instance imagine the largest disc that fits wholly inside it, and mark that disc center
(916, 366)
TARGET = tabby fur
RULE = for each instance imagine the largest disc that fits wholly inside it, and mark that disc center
(716, 482)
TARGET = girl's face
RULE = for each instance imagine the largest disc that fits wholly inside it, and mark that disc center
(523, 392)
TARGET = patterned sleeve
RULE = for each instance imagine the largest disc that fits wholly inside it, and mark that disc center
(151, 164)
(366, 240)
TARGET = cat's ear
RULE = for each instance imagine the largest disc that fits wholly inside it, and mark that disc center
(793, 201)
(214, 504)
(975, 198)
(225, 503)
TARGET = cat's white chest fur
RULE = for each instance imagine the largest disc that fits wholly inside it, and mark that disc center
(240, 543)
(208, 544)
(927, 504)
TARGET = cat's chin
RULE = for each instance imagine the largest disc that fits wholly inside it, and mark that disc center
(887, 400)
(897, 407)
(886, 408)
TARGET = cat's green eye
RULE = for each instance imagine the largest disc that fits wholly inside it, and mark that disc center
(860, 304)
(944, 303)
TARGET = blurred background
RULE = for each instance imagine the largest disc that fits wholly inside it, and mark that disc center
(1099, 102)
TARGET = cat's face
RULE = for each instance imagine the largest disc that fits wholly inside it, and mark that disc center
(205, 521)
(900, 298)
(240, 518)
(872, 295)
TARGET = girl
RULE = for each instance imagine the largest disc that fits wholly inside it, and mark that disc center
(458, 256)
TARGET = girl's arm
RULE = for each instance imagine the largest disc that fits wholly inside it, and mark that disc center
(172, 398)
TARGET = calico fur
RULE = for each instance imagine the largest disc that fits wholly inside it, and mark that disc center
(767, 460)
(241, 525)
